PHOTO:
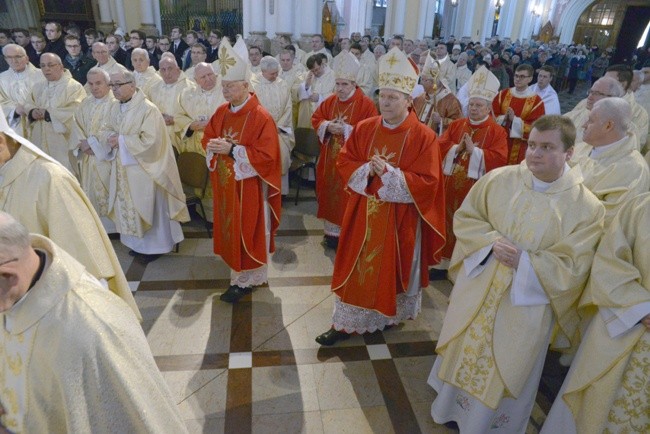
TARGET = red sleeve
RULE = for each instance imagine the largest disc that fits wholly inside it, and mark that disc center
(495, 151)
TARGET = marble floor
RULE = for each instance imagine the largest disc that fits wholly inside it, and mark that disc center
(255, 367)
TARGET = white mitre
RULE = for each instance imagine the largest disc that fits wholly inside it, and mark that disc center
(347, 67)
(396, 72)
(483, 84)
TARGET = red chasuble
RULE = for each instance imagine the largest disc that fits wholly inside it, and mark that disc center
(330, 190)
(528, 109)
(488, 136)
(378, 237)
(239, 229)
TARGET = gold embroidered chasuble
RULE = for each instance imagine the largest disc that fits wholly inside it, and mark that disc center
(48, 200)
(15, 88)
(197, 104)
(132, 186)
(57, 376)
(615, 176)
(607, 389)
(94, 173)
(60, 98)
(482, 329)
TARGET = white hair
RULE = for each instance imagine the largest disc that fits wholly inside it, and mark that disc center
(617, 110)
(269, 63)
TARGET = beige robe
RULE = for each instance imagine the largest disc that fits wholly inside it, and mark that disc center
(95, 170)
(48, 200)
(559, 229)
(639, 119)
(294, 78)
(15, 88)
(73, 359)
(606, 389)
(275, 97)
(60, 98)
(614, 176)
(133, 186)
(447, 73)
(112, 67)
(146, 80)
(367, 80)
(167, 98)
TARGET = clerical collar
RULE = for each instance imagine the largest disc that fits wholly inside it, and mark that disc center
(42, 257)
(541, 186)
(392, 126)
(240, 106)
(596, 151)
(526, 93)
(126, 102)
(478, 122)
(444, 59)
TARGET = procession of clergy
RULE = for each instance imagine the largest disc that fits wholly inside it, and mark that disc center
(540, 220)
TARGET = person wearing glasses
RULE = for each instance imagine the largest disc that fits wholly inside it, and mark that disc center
(516, 109)
(149, 199)
(50, 107)
(75, 61)
(604, 87)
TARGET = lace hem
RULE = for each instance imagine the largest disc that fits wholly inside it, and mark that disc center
(394, 188)
(331, 228)
(248, 278)
(353, 319)
(359, 179)
(243, 167)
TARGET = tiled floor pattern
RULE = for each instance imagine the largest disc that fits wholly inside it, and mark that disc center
(255, 367)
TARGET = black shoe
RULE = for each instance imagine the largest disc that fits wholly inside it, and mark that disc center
(146, 258)
(452, 425)
(331, 337)
(234, 293)
(331, 241)
(435, 274)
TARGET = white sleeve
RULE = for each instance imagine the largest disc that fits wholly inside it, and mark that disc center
(322, 130)
(394, 188)
(347, 131)
(526, 288)
(473, 263)
(243, 168)
(303, 93)
(125, 156)
(620, 320)
(448, 162)
(359, 179)
(517, 129)
(476, 167)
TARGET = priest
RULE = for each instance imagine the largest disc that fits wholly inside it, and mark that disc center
(334, 121)
(393, 226)
(243, 154)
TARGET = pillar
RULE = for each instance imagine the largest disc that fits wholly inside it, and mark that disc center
(147, 23)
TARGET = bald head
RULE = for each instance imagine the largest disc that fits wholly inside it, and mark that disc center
(51, 66)
(169, 70)
(604, 87)
(608, 122)
(205, 76)
(100, 53)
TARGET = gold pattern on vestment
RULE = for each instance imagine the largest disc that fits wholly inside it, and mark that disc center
(226, 61)
(129, 219)
(630, 412)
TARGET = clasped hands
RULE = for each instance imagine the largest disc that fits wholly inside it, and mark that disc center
(506, 252)
(38, 114)
(336, 127)
(219, 146)
(466, 144)
(377, 166)
(85, 147)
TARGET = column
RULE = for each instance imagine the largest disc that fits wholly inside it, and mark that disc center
(257, 32)
(388, 20)
(147, 23)
(422, 18)
(105, 16)
(156, 14)
(398, 19)
(369, 12)
(120, 15)
(309, 22)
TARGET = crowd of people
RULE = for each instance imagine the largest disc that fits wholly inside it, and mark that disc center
(438, 160)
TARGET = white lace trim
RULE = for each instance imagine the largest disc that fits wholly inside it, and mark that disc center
(359, 179)
(347, 131)
(331, 229)
(243, 167)
(394, 188)
(353, 319)
(248, 278)
(322, 130)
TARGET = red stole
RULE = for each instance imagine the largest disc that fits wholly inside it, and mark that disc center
(378, 238)
(330, 190)
(239, 228)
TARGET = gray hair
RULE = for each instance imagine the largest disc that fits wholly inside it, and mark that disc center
(616, 109)
(96, 70)
(20, 49)
(269, 63)
(127, 76)
(615, 88)
(381, 48)
(463, 55)
(14, 237)
(140, 51)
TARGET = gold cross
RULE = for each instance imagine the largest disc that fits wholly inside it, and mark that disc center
(392, 60)
(226, 61)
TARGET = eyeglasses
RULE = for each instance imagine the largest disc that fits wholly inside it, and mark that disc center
(14, 57)
(522, 76)
(8, 261)
(598, 94)
(73, 46)
(116, 85)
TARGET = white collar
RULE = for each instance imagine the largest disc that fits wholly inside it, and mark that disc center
(596, 151)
